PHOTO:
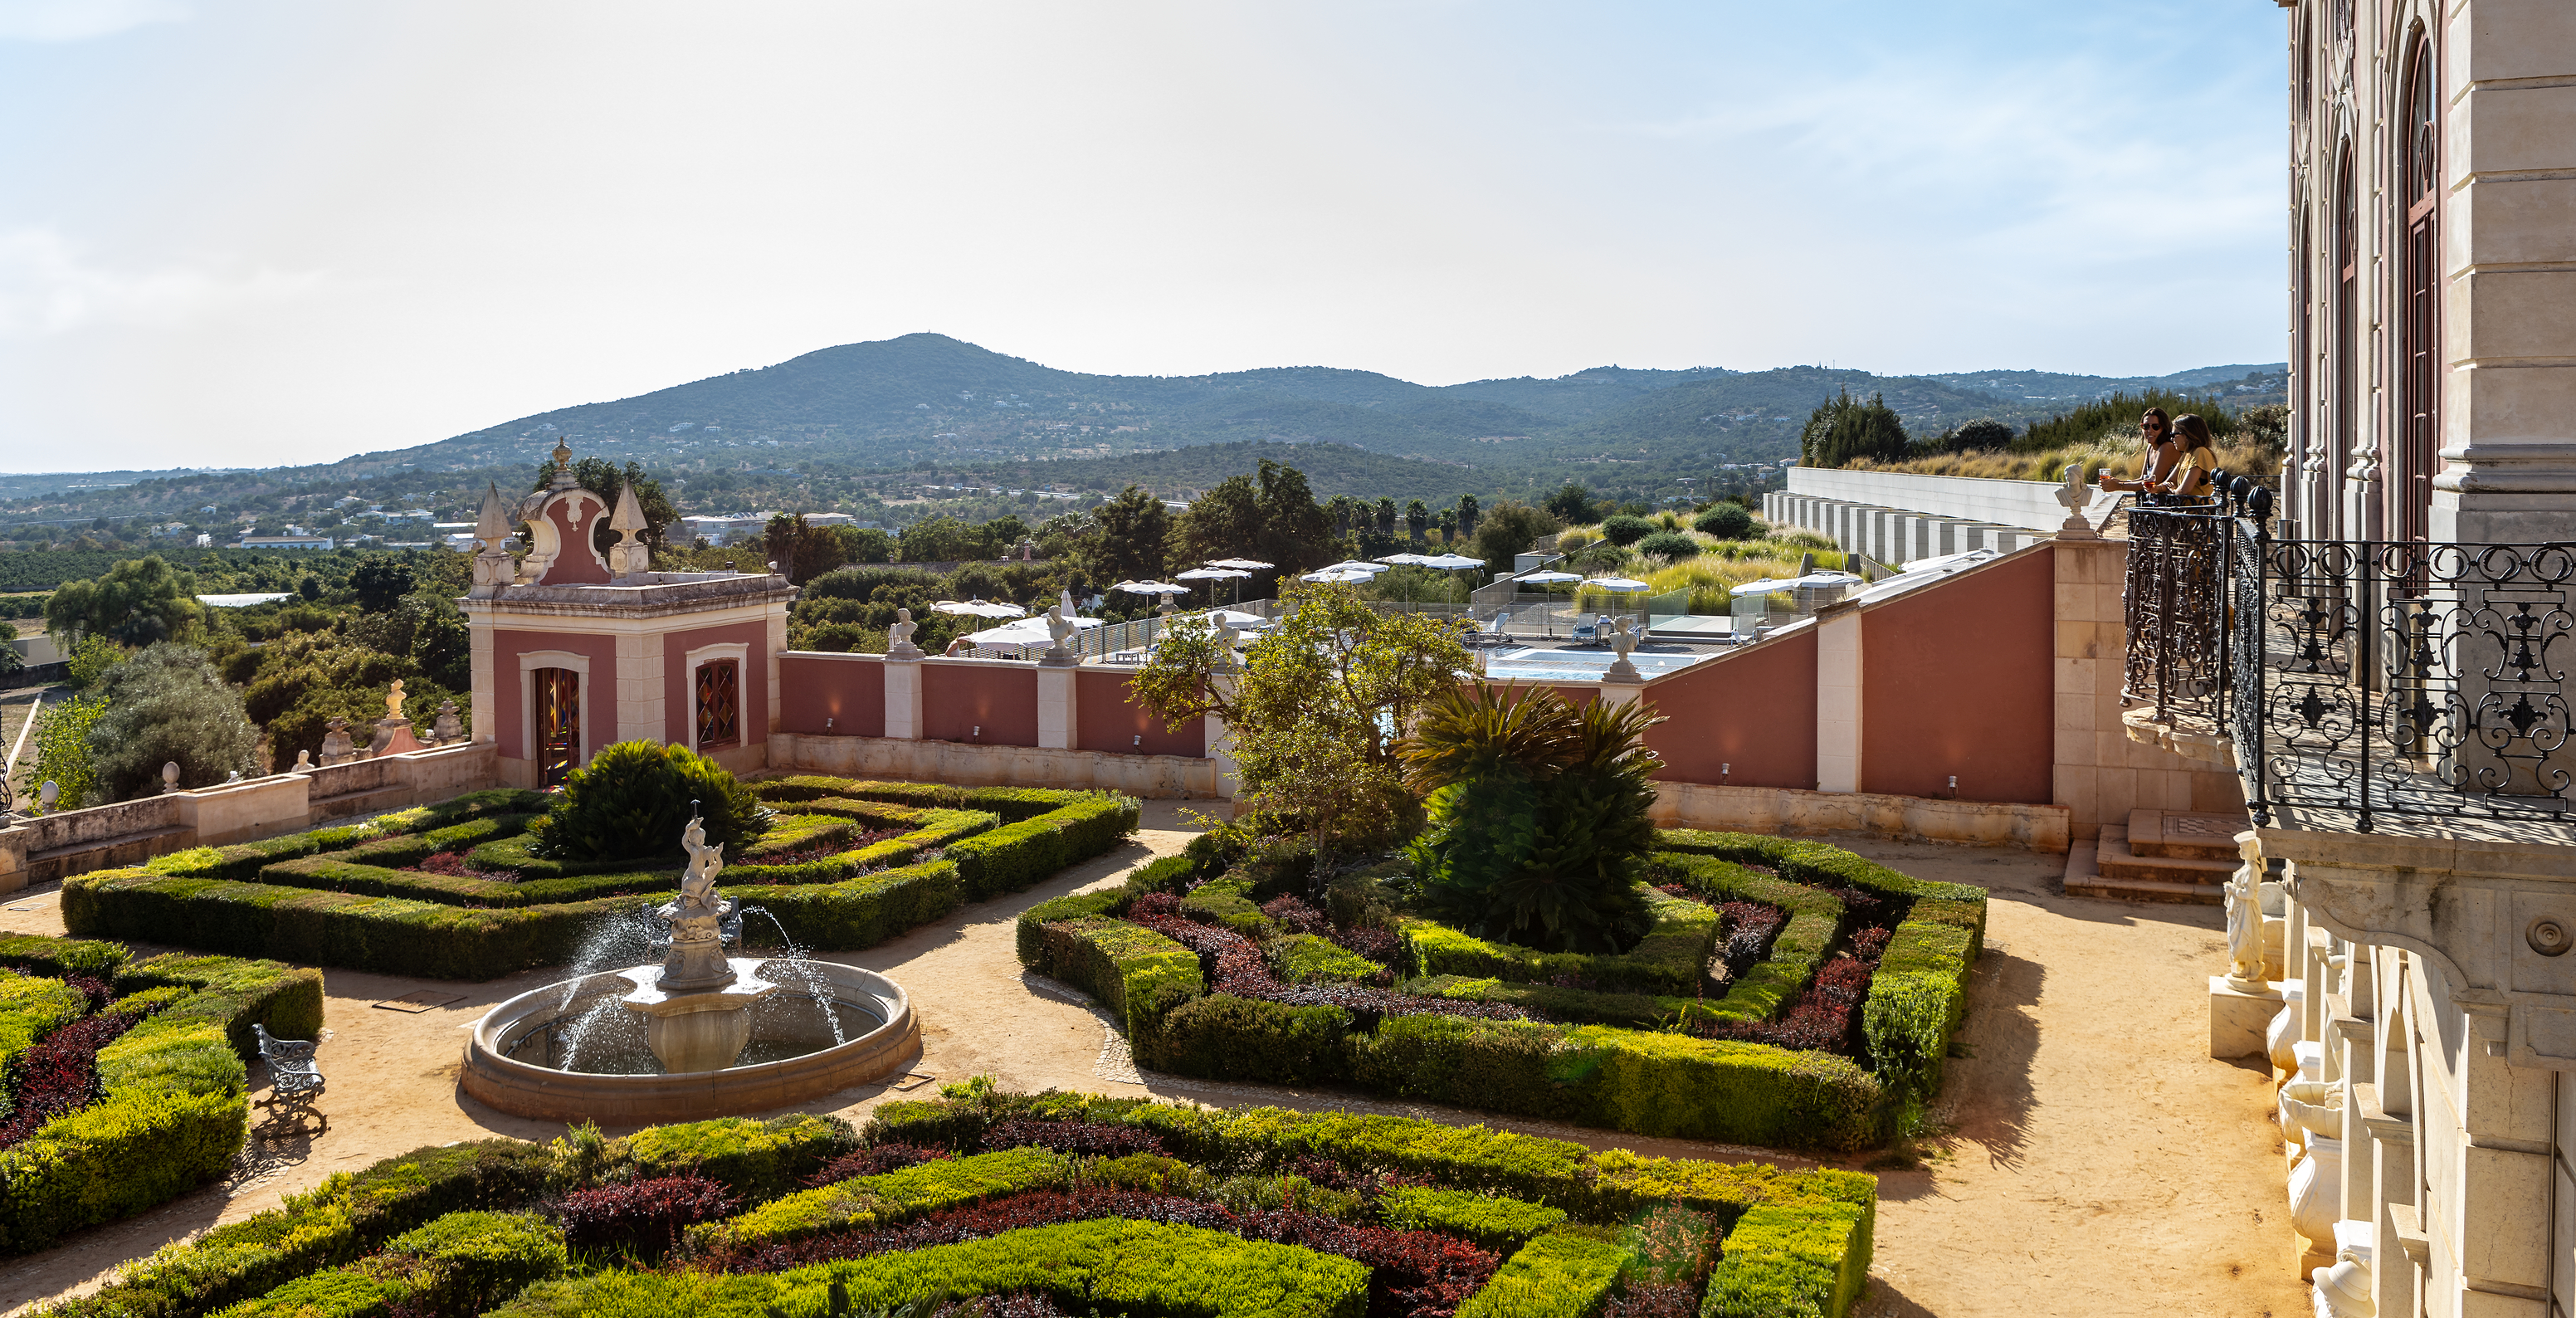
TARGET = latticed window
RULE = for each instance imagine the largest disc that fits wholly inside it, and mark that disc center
(2419, 375)
(719, 703)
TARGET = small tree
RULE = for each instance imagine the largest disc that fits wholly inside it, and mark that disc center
(1509, 529)
(380, 583)
(1572, 504)
(1844, 428)
(1538, 815)
(633, 801)
(1417, 521)
(1313, 707)
(1627, 529)
(167, 705)
(137, 602)
(91, 659)
(1726, 521)
(1467, 514)
(802, 552)
(60, 752)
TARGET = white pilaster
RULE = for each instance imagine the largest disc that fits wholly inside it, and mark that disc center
(1838, 679)
(1056, 713)
(903, 699)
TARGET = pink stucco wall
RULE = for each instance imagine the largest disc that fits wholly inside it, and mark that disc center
(679, 701)
(836, 695)
(998, 697)
(1106, 720)
(510, 693)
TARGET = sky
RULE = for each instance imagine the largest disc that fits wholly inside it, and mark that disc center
(251, 232)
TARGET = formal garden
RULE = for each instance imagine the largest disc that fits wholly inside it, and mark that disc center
(1477, 914)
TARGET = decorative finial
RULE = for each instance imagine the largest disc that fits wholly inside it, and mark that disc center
(563, 453)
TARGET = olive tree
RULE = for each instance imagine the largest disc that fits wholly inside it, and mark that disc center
(1315, 708)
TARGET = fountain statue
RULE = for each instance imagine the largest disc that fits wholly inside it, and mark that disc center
(699, 1007)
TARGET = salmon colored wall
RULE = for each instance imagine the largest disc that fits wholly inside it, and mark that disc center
(1000, 696)
(1958, 679)
(1745, 719)
(849, 692)
(679, 700)
(579, 564)
(1106, 720)
(598, 690)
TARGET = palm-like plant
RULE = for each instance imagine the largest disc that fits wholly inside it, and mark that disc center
(1538, 815)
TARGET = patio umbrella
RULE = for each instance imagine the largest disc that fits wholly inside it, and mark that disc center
(1549, 578)
(1212, 575)
(1355, 565)
(978, 609)
(1405, 558)
(1247, 564)
(1763, 587)
(1617, 585)
(1336, 577)
(1451, 562)
(1151, 588)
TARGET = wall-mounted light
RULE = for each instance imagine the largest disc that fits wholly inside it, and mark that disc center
(827, 726)
(979, 730)
(1954, 787)
(1722, 771)
(1140, 739)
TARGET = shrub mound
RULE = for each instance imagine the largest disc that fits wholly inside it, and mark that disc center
(1035, 1205)
(1788, 993)
(128, 1114)
(846, 865)
(633, 799)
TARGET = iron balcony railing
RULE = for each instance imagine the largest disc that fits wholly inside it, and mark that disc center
(2382, 678)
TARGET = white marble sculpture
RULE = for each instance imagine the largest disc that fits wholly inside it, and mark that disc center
(899, 637)
(2245, 919)
(698, 882)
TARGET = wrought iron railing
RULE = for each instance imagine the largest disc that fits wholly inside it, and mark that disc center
(2381, 678)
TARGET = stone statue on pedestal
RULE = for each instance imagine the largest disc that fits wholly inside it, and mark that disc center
(697, 957)
(1623, 640)
(899, 637)
(2245, 919)
(336, 747)
(1060, 633)
(449, 727)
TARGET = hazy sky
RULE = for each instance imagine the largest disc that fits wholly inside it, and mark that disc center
(243, 232)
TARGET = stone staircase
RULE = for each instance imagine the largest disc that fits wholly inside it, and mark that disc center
(2158, 856)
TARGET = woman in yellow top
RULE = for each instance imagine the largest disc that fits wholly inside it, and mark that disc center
(2196, 470)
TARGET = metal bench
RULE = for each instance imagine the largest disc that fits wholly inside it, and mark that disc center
(293, 1075)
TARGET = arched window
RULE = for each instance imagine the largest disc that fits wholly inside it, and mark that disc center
(2419, 287)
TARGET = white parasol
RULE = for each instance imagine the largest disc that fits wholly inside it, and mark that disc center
(979, 609)
(1618, 585)
(1247, 564)
(1548, 578)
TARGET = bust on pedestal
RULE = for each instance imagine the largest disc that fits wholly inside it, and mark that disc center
(393, 731)
(1623, 639)
(899, 637)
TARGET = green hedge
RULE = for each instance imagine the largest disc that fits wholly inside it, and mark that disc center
(1306, 958)
(1498, 1223)
(1227, 902)
(1114, 961)
(1606, 1187)
(1222, 1036)
(1670, 959)
(400, 935)
(1013, 804)
(1105, 1265)
(1779, 1262)
(758, 1159)
(1015, 856)
(1815, 923)
(459, 1263)
(33, 1007)
(1916, 999)
(1562, 1274)
(175, 1105)
(56, 957)
(1633, 1009)
(896, 1196)
(334, 897)
(1162, 874)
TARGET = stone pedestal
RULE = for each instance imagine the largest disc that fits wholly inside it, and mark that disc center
(903, 696)
(699, 1030)
(393, 737)
(2238, 1017)
(1057, 720)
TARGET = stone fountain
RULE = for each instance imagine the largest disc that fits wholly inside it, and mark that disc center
(569, 1050)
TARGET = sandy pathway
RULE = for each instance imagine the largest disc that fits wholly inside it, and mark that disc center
(2100, 1165)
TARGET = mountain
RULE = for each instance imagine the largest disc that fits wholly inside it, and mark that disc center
(843, 426)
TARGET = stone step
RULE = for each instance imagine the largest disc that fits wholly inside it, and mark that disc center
(2086, 877)
(2119, 861)
(2188, 835)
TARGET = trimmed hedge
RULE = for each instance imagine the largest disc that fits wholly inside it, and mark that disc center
(1223, 1036)
(1493, 1221)
(455, 1264)
(31, 1008)
(1809, 1262)
(175, 1108)
(896, 1196)
(54, 958)
(1103, 1265)
(400, 935)
(316, 897)
(1815, 923)
(1162, 874)
(1013, 804)
(1560, 1273)
(1670, 959)
(1306, 958)
(754, 1159)
(1114, 961)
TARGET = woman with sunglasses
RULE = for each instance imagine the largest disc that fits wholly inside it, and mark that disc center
(2162, 456)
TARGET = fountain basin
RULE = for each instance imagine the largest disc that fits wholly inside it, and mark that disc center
(880, 1031)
